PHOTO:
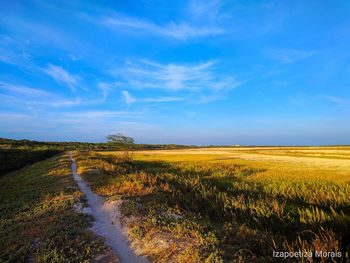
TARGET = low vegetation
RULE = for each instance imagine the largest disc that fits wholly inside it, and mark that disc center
(84, 146)
(37, 220)
(214, 208)
(15, 154)
(189, 205)
(13, 159)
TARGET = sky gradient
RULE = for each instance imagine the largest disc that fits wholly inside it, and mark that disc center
(186, 72)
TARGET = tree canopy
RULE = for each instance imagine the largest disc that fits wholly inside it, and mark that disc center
(120, 139)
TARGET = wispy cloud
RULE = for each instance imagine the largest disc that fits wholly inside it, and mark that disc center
(334, 99)
(208, 10)
(95, 125)
(23, 90)
(105, 88)
(144, 74)
(289, 55)
(42, 34)
(28, 96)
(62, 102)
(100, 114)
(160, 99)
(11, 52)
(208, 98)
(299, 100)
(63, 77)
(181, 31)
(303, 100)
(9, 57)
(129, 99)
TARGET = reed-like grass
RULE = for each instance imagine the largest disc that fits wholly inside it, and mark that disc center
(231, 209)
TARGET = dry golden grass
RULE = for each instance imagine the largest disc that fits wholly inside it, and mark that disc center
(235, 203)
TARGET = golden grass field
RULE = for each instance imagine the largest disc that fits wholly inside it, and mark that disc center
(229, 204)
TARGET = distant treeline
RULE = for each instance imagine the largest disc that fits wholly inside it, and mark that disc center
(65, 146)
(15, 154)
(13, 159)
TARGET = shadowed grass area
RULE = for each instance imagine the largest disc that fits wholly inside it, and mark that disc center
(13, 159)
(226, 209)
(37, 219)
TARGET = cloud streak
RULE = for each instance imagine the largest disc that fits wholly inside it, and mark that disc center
(27, 96)
(334, 99)
(62, 76)
(23, 90)
(289, 55)
(144, 74)
(100, 114)
(95, 125)
(129, 99)
(180, 31)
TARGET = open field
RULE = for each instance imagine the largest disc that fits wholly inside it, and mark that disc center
(224, 204)
(192, 131)
(229, 204)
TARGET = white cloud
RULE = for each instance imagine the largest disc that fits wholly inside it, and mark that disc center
(181, 31)
(129, 99)
(21, 95)
(23, 90)
(61, 102)
(92, 125)
(104, 87)
(334, 99)
(100, 114)
(62, 76)
(161, 99)
(209, 11)
(209, 98)
(303, 100)
(289, 55)
(144, 74)
(44, 34)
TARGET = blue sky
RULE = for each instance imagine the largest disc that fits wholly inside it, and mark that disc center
(190, 72)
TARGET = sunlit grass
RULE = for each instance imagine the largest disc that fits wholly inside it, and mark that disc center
(234, 207)
(37, 219)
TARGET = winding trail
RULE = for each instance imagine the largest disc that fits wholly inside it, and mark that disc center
(107, 222)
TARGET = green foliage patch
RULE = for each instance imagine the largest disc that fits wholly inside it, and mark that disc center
(37, 219)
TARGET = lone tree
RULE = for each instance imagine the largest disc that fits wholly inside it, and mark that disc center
(125, 143)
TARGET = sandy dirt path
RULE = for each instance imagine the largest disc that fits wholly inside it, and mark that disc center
(107, 223)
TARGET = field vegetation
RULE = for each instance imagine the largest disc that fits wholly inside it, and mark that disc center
(38, 222)
(228, 204)
(13, 159)
(67, 146)
(178, 205)
(15, 154)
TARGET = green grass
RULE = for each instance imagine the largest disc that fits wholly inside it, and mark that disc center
(37, 219)
(226, 209)
(13, 159)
